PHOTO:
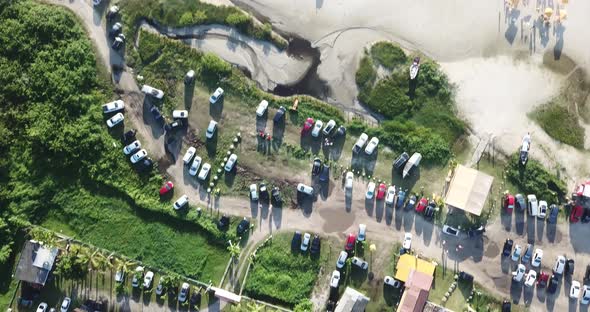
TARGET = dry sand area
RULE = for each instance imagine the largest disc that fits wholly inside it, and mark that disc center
(485, 49)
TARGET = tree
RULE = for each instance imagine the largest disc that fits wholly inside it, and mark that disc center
(186, 19)
(304, 306)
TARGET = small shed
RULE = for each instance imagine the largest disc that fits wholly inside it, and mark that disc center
(352, 301)
(35, 263)
(408, 263)
(468, 190)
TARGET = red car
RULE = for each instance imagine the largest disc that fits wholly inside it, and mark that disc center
(422, 205)
(542, 279)
(307, 125)
(350, 242)
(166, 188)
(508, 203)
(381, 191)
(577, 213)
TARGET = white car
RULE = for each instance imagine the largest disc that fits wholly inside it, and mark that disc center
(392, 282)
(160, 288)
(157, 93)
(348, 182)
(189, 77)
(362, 232)
(341, 259)
(195, 166)
(317, 127)
(372, 146)
(575, 290)
(179, 113)
(389, 198)
(559, 265)
(115, 120)
(516, 253)
(532, 205)
(96, 2)
(537, 257)
(180, 202)
(329, 127)
(261, 109)
(42, 307)
(211, 129)
(147, 279)
(138, 272)
(138, 156)
(135, 145)
(305, 242)
(585, 295)
(335, 280)
(360, 142)
(305, 189)
(65, 304)
(113, 106)
(190, 152)
(183, 292)
(204, 172)
(407, 244)
(119, 276)
(231, 161)
(370, 190)
(530, 278)
(519, 273)
(542, 209)
(216, 96)
(253, 192)
(360, 263)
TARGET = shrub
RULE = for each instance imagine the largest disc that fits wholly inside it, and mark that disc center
(213, 68)
(186, 18)
(535, 179)
(389, 98)
(365, 78)
(239, 20)
(560, 124)
(388, 55)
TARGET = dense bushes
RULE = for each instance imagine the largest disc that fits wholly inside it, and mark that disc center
(388, 55)
(365, 78)
(560, 124)
(535, 179)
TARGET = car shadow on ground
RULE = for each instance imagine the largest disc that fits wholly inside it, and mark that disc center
(336, 149)
(254, 209)
(427, 231)
(409, 182)
(316, 145)
(348, 200)
(216, 110)
(506, 219)
(399, 217)
(379, 210)
(408, 220)
(230, 177)
(369, 206)
(540, 229)
(515, 291)
(261, 123)
(388, 214)
(579, 234)
(530, 229)
(278, 132)
(519, 221)
(211, 145)
(306, 203)
(189, 93)
(148, 118)
(264, 210)
(277, 216)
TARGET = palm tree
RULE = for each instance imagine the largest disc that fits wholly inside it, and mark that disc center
(234, 250)
(253, 307)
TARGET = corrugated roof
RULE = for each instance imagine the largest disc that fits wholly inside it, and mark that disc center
(35, 263)
(469, 190)
(407, 263)
(352, 301)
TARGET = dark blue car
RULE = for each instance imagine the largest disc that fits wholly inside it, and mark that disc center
(553, 212)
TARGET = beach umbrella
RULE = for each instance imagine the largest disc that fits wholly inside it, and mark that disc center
(548, 12)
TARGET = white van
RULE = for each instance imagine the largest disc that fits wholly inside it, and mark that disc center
(305, 189)
(188, 156)
(362, 140)
(204, 172)
(533, 205)
(262, 108)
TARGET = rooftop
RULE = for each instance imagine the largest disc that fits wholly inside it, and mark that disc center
(35, 263)
(352, 301)
(408, 263)
(468, 190)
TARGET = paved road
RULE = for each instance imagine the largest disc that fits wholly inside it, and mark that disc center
(338, 214)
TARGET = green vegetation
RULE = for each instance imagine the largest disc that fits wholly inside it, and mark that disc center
(281, 275)
(388, 55)
(193, 12)
(560, 123)
(535, 179)
(365, 78)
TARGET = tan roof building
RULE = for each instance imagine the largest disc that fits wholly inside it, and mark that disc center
(416, 292)
(352, 301)
(468, 190)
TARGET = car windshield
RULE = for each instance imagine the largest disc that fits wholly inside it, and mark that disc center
(451, 230)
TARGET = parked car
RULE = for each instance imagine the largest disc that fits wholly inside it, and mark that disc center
(307, 125)
(559, 265)
(132, 147)
(120, 276)
(400, 162)
(115, 120)
(585, 295)
(552, 285)
(362, 232)
(65, 304)
(542, 279)
(390, 197)
(553, 214)
(137, 276)
(253, 192)
(204, 173)
(189, 77)
(569, 266)
(542, 209)
(156, 113)
(348, 181)
(167, 187)
(429, 215)
(537, 258)
(317, 127)
(296, 241)
(276, 196)
(160, 288)
(188, 156)
(138, 156)
(528, 253)
(113, 106)
(360, 143)
(325, 173)
(360, 263)
(575, 290)
(113, 11)
(407, 243)
(388, 280)
(340, 132)
(506, 305)
(341, 261)
(411, 204)
(466, 277)
(586, 279)
(180, 202)
(520, 202)
(115, 29)
(243, 226)
(335, 279)
(350, 241)
(316, 166)
(450, 230)
(531, 278)
(533, 205)
(263, 192)
(329, 127)
(180, 113)
(508, 203)
(118, 42)
(261, 109)
(211, 129)
(371, 146)
(576, 214)
(128, 136)
(279, 115)
(516, 252)
(305, 242)
(147, 279)
(519, 273)
(231, 161)
(157, 93)
(381, 191)
(195, 166)
(315, 245)
(176, 124)
(183, 294)
(305, 189)
(422, 205)
(42, 307)
(223, 223)
(370, 191)
(216, 96)
(507, 249)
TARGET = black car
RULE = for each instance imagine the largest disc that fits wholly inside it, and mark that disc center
(147, 164)
(553, 212)
(276, 196)
(243, 226)
(263, 191)
(173, 125)
(569, 266)
(476, 231)
(223, 223)
(466, 277)
(507, 249)
(128, 136)
(314, 249)
(156, 113)
(340, 132)
(325, 173)
(296, 241)
(429, 211)
(506, 305)
(118, 42)
(279, 115)
(401, 161)
(317, 165)
(552, 287)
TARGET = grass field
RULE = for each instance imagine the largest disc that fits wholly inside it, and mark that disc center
(560, 123)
